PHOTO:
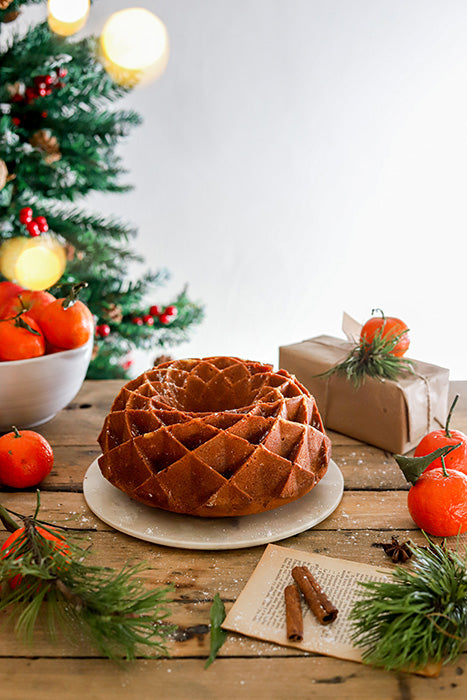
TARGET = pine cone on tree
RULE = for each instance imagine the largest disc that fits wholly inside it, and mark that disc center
(9, 16)
(4, 177)
(113, 313)
(15, 88)
(3, 174)
(47, 144)
(70, 251)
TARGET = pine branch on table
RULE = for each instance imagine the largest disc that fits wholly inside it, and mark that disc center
(419, 616)
(112, 609)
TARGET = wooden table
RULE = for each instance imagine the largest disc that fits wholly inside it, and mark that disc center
(373, 508)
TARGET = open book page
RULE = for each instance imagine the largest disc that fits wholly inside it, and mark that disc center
(260, 610)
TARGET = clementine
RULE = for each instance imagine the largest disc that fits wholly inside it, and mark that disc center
(457, 458)
(66, 326)
(30, 302)
(438, 502)
(20, 338)
(16, 539)
(387, 327)
(25, 458)
(8, 290)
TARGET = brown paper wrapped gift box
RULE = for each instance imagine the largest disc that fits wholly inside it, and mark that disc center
(392, 415)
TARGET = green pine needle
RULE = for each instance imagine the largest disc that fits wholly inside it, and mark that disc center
(112, 609)
(373, 359)
(419, 617)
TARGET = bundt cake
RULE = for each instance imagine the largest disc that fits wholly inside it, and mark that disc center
(214, 437)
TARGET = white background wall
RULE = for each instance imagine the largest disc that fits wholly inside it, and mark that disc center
(301, 157)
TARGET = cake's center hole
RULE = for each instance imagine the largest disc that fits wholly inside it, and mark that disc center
(212, 397)
(221, 398)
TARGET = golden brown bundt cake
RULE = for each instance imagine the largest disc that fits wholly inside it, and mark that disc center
(214, 437)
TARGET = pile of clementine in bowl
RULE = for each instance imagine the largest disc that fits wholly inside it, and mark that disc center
(34, 323)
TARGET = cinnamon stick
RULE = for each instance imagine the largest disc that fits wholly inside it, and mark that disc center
(320, 605)
(293, 613)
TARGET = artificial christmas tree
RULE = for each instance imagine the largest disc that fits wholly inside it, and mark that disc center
(57, 143)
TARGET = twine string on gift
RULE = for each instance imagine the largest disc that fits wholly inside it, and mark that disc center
(324, 404)
(428, 401)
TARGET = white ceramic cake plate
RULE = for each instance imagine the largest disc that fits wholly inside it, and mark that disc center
(174, 530)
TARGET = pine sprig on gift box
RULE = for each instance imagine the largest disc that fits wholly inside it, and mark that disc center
(419, 616)
(112, 609)
(372, 359)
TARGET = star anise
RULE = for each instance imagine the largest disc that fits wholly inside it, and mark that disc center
(398, 552)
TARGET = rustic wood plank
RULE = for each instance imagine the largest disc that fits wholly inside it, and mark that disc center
(198, 575)
(231, 679)
(191, 640)
(459, 419)
(70, 465)
(358, 510)
(342, 440)
(366, 467)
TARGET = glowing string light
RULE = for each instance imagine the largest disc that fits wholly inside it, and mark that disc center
(134, 46)
(34, 263)
(67, 17)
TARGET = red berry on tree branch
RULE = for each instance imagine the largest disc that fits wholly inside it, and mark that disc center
(33, 228)
(41, 221)
(148, 320)
(155, 310)
(103, 330)
(30, 95)
(171, 311)
(165, 319)
(137, 320)
(25, 215)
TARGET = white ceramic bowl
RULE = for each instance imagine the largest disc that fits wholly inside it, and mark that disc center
(33, 391)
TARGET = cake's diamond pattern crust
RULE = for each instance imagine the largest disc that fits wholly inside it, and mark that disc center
(214, 437)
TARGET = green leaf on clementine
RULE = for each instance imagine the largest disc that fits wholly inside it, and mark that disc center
(21, 323)
(413, 467)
